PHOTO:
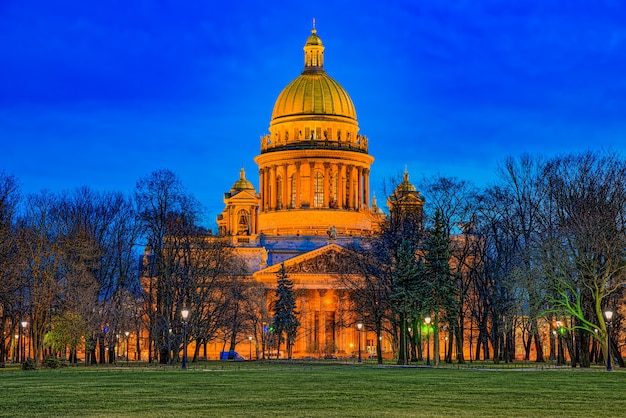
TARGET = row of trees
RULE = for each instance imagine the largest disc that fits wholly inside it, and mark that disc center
(546, 243)
(70, 267)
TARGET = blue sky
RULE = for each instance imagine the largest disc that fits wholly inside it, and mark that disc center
(103, 93)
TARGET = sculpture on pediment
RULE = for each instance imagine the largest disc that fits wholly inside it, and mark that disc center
(325, 263)
(263, 257)
(332, 232)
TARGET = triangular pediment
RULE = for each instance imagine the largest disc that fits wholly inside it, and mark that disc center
(244, 195)
(329, 259)
(415, 199)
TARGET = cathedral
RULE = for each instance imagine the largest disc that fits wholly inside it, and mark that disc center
(313, 200)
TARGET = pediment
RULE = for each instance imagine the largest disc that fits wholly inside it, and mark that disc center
(411, 199)
(330, 259)
(244, 195)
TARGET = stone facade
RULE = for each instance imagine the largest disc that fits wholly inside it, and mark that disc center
(313, 201)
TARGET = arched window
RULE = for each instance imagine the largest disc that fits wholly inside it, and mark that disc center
(243, 222)
(318, 189)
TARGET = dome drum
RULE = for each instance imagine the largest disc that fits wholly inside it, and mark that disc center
(269, 145)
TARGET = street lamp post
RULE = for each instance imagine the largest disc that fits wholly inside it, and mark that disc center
(359, 326)
(608, 314)
(250, 339)
(427, 321)
(24, 324)
(117, 347)
(558, 357)
(263, 340)
(127, 333)
(184, 313)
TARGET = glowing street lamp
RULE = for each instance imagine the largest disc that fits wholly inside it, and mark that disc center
(427, 321)
(250, 339)
(608, 314)
(559, 354)
(185, 314)
(359, 326)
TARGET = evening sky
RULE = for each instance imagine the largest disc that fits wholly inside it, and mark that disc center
(103, 93)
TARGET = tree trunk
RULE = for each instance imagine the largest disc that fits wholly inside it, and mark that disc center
(402, 343)
(459, 331)
(436, 355)
(379, 346)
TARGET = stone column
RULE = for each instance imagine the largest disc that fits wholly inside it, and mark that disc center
(285, 187)
(322, 324)
(359, 188)
(366, 172)
(262, 188)
(350, 186)
(326, 185)
(340, 187)
(273, 188)
(298, 185)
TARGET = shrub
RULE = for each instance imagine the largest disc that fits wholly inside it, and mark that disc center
(51, 362)
(29, 364)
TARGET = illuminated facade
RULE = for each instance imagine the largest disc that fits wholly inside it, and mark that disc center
(313, 199)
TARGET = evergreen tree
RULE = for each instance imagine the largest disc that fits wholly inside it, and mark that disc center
(441, 298)
(407, 292)
(286, 321)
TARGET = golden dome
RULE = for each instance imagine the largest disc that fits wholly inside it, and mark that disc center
(313, 92)
(405, 187)
(242, 183)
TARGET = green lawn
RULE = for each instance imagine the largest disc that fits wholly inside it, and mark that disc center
(223, 389)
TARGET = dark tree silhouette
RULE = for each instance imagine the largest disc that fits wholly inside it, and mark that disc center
(286, 320)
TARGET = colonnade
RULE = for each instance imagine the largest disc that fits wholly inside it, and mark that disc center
(319, 184)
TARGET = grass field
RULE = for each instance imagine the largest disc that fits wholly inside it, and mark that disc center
(257, 389)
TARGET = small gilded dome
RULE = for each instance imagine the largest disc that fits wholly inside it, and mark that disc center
(405, 187)
(242, 183)
(314, 39)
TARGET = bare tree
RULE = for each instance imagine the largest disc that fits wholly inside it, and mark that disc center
(368, 282)
(11, 263)
(583, 251)
(493, 288)
(167, 215)
(452, 199)
(523, 179)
